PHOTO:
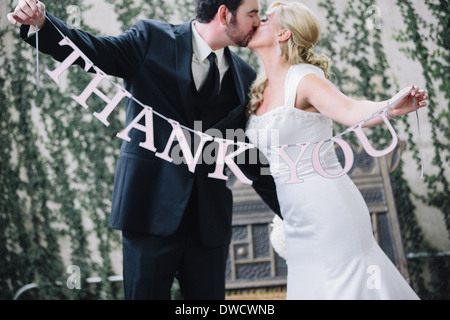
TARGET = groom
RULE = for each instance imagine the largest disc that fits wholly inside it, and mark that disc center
(174, 223)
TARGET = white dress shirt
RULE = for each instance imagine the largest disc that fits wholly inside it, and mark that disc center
(200, 62)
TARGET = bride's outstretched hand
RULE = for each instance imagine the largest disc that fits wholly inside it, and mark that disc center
(407, 105)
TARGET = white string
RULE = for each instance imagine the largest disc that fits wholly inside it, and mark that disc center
(197, 132)
(375, 115)
(37, 56)
(420, 139)
(120, 88)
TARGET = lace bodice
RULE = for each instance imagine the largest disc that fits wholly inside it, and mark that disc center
(287, 125)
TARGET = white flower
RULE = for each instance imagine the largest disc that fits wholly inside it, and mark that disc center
(277, 237)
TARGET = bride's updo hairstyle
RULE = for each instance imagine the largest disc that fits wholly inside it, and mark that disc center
(305, 29)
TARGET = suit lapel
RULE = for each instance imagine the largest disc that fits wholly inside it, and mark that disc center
(184, 69)
(185, 79)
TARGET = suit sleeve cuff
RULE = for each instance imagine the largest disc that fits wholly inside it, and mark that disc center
(48, 31)
(25, 30)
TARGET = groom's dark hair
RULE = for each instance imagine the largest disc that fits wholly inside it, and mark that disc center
(206, 9)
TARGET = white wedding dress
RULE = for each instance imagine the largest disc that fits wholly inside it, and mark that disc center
(331, 251)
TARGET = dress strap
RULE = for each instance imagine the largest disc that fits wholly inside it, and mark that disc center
(295, 74)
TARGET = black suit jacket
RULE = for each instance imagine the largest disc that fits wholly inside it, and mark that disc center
(154, 59)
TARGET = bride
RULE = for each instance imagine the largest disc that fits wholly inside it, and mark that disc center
(331, 251)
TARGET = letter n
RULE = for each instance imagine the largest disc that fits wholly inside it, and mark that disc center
(177, 133)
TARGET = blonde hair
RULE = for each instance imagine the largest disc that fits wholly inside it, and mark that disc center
(305, 29)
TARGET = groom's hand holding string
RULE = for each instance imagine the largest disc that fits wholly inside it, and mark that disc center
(27, 12)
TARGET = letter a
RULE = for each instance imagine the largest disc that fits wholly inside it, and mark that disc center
(149, 143)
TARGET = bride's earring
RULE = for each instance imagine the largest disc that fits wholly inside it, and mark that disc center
(278, 48)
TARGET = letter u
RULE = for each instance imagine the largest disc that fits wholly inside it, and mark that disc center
(365, 142)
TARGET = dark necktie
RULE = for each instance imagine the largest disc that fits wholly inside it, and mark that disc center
(210, 88)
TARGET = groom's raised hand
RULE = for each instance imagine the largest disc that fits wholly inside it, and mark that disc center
(27, 12)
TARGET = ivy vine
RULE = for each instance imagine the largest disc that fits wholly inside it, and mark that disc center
(57, 165)
(372, 82)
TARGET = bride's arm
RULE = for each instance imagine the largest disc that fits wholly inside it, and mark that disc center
(332, 103)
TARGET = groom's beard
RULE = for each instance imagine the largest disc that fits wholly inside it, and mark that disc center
(236, 35)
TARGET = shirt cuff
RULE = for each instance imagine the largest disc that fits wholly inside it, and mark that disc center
(31, 30)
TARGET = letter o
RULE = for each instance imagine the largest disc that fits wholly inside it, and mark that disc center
(348, 154)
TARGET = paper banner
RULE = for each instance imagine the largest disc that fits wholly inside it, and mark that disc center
(223, 156)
